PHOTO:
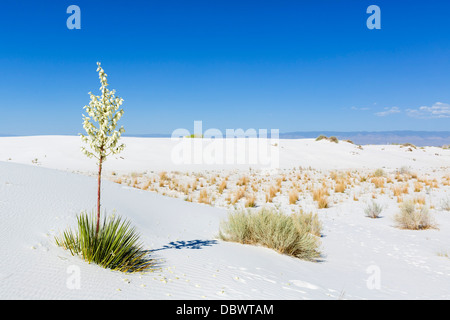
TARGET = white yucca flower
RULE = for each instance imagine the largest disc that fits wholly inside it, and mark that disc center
(103, 110)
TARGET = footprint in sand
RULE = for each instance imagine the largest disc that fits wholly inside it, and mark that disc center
(304, 284)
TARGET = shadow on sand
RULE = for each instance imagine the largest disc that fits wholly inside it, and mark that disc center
(190, 244)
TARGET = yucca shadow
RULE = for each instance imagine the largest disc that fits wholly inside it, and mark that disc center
(190, 244)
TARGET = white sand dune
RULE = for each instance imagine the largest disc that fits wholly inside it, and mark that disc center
(141, 154)
(37, 201)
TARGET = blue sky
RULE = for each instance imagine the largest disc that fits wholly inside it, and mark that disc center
(287, 65)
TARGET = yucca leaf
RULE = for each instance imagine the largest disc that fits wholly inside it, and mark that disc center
(116, 246)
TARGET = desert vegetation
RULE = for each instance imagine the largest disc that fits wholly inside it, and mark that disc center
(294, 235)
(414, 217)
(114, 245)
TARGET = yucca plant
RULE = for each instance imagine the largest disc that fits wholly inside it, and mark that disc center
(100, 126)
(115, 245)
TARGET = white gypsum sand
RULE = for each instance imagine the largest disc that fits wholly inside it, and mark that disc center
(362, 258)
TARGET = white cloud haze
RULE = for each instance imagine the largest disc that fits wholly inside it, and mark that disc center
(437, 110)
(388, 111)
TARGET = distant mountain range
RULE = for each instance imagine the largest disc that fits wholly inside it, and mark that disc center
(418, 138)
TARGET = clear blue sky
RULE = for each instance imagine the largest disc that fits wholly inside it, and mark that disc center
(287, 65)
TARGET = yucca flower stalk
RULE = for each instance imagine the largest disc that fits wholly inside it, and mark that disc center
(100, 125)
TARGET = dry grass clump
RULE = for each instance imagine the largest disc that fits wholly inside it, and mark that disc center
(250, 200)
(340, 186)
(238, 195)
(418, 186)
(243, 181)
(378, 182)
(293, 196)
(271, 193)
(203, 197)
(222, 186)
(400, 189)
(291, 235)
(419, 200)
(321, 197)
(413, 217)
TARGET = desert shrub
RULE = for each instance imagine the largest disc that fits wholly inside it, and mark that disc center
(308, 222)
(115, 246)
(379, 173)
(408, 145)
(446, 204)
(291, 235)
(404, 170)
(333, 139)
(373, 210)
(413, 217)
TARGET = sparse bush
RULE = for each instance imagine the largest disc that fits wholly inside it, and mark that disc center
(410, 145)
(308, 222)
(412, 217)
(114, 246)
(289, 235)
(379, 173)
(333, 139)
(373, 210)
(446, 204)
(321, 137)
(404, 170)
